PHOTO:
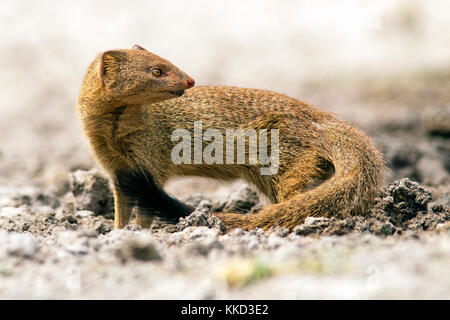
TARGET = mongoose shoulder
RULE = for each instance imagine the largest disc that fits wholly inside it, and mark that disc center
(132, 101)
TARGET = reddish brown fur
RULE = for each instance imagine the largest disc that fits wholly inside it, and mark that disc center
(129, 118)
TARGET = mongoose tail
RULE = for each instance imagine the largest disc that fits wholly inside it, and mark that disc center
(358, 177)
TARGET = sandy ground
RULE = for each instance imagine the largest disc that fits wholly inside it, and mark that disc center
(56, 212)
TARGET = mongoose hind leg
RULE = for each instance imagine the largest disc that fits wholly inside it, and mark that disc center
(122, 209)
(144, 220)
(306, 172)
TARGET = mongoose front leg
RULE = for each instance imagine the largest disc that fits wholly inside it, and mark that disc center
(122, 209)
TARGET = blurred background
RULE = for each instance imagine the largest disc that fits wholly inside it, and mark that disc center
(382, 65)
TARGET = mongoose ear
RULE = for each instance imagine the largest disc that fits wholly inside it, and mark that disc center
(138, 47)
(108, 64)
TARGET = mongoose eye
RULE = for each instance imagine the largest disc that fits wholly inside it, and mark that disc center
(156, 72)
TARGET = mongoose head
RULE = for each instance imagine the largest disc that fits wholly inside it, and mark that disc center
(134, 76)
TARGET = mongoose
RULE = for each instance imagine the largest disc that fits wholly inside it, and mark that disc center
(131, 101)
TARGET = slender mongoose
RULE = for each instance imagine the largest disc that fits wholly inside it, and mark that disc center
(131, 102)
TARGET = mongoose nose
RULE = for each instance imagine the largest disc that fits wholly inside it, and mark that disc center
(190, 82)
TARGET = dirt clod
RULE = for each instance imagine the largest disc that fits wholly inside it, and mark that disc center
(137, 250)
(242, 200)
(91, 191)
(403, 205)
(201, 217)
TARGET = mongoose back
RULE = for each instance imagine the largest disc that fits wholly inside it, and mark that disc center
(131, 102)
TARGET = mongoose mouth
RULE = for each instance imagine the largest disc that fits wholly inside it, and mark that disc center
(178, 93)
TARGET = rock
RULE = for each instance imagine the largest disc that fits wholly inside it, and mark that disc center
(279, 231)
(199, 202)
(312, 225)
(403, 198)
(194, 233)
(84, 213)
(70, 219)
(341, 226)
(204, 204)
(91, 191)
(386, 229)
(102, 228)
(133, 227)
(201, 217)
(241, 200)
(137, 250)
(194, 200)
(404, 206)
